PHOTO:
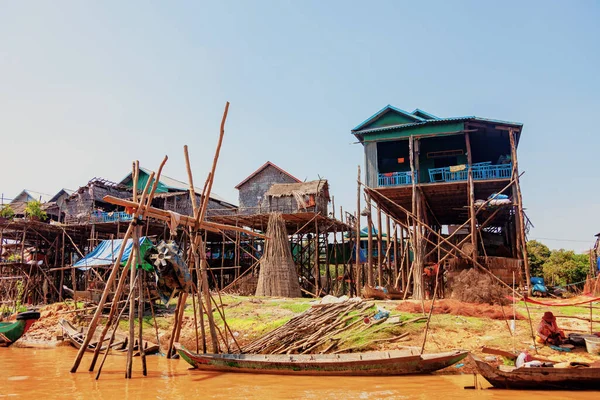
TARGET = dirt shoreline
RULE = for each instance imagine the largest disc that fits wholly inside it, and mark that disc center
(454, 325)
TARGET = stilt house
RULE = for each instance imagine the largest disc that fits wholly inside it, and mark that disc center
(455, 180)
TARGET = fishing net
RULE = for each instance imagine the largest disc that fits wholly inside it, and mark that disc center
(277, 276)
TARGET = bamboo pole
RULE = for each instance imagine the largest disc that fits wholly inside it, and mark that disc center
(471, 196)
(520, 212)
(141, 283)
(132, 278)
(109, 283)
(139, 212)
(369, 243)
(316, 268)
(379, 247)
(112, 336)
(357, 241)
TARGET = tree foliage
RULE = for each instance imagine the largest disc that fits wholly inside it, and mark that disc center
(34, 209)
(7, 212)
(538, 255)
(564, 267)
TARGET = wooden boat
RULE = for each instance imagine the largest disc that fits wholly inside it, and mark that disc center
(370, 292)
(540, 378)
(76, 336)
(11, 331)
(352, 364)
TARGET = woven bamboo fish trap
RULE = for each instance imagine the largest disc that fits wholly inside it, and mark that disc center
(277, 276)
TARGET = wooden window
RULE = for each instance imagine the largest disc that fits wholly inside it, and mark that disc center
(445, 153)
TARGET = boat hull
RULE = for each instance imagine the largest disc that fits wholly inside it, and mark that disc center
(10, 332)
(75, 337)
(357, 364)
(541, 378)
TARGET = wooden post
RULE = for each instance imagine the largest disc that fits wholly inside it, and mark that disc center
(62, 262)
(379, 247)
(347, 271)
(335, 251)
(471, 195)
(141, 283)
(520, 213)
(369, 243)
(132, 280)
(417, 266)
(221, 273)
(357, 241)
(316, 268)
(403, 271)
(394, 265)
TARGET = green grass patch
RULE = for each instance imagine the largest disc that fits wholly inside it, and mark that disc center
(296, 307)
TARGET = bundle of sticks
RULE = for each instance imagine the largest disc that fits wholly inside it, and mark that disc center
(320, 329)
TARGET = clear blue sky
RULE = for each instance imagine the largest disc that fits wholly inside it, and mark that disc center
(86, 87)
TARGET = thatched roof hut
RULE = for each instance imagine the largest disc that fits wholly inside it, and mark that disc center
(298, 197)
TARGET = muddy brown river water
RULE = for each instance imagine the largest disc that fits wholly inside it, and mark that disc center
(44, 374)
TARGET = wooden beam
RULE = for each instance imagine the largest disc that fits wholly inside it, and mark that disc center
(185, 220)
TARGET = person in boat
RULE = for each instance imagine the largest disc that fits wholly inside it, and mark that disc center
(548, 331)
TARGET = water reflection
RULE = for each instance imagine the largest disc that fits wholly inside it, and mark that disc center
(44, 374)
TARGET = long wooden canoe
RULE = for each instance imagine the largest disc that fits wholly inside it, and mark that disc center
(10, 332)
(76, 336)
(353, 364)
(540, 378)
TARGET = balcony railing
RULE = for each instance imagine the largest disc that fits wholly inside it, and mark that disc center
(110, 216)
(395, 179)
(481, 171)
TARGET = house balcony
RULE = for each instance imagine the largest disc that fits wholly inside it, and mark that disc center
(96, 217)
(396, 179)
(458, 173)
(481, 171)
(110, 216)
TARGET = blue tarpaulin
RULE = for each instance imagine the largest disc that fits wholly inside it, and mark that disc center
(107, 251)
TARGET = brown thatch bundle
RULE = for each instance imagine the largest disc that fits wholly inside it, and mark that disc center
(277, 275)
(473, 286)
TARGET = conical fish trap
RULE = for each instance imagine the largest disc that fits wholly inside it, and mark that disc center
(277, 275)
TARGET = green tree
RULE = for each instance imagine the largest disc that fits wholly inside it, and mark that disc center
(538, 254)
(564, 267)
(7, 212)
(34, 209)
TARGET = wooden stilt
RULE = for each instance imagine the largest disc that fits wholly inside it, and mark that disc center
(379, 247)
(520, 212)
(132, 278)
(471, 196)
(316, 267)
(369, 243)
(357, 240)
(141, 283)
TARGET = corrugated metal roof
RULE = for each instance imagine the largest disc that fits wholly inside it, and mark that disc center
(175, 184)
(435, 122)
(383, 111)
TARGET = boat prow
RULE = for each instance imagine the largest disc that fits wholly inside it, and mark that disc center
(351, 364)
(76, 337)
(10, 332)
